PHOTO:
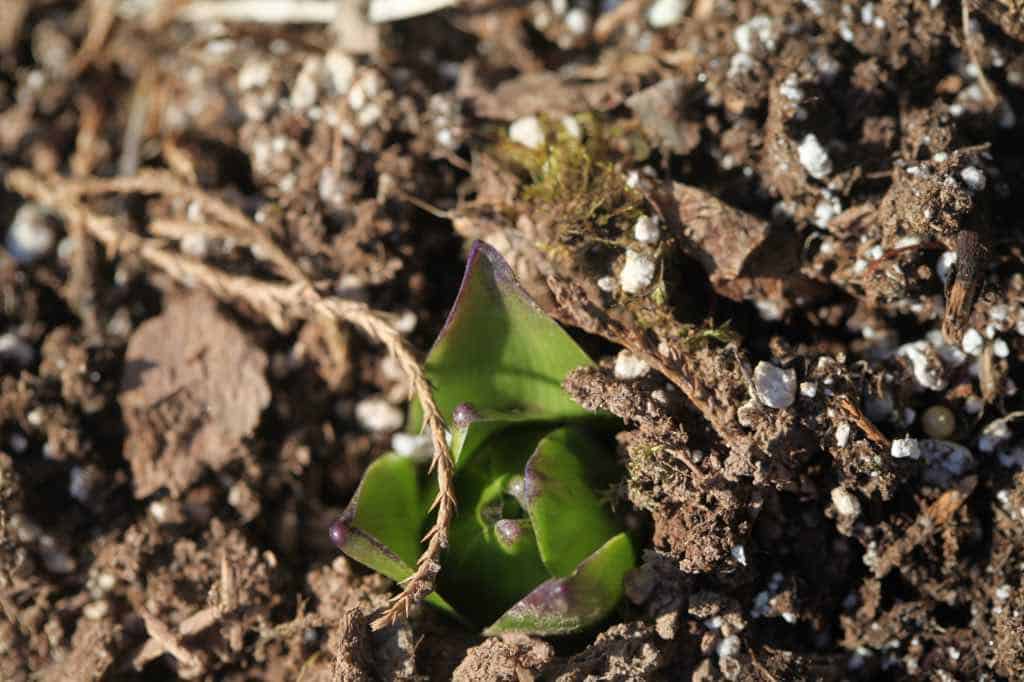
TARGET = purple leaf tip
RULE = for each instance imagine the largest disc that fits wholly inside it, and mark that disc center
(339, 533)
(464, 415)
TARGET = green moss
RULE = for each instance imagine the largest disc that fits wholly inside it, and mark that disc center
(577, 180)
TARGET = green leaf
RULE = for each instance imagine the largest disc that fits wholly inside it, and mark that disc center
(563, 605)
(561, 490)
(485, 570)
(499, 351)
(382, 523)
(380, 528)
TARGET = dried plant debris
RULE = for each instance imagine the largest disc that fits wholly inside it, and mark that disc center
(193, 390)
(786, 233)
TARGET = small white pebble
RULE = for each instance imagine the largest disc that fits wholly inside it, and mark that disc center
(406, 322)
(775, 387)
(158, 510)
(739, 553)
(808, 389)
(637, 273)
(973, 342)
(577, 20)
(13, 349)
(814, 157)
(1001, 348)
(105, 582)
(30, 236)
(728, 647)
(342, 70)
(973, 404)
(646, 230)
(760, 28)
(629, 366)
(572, 127)
(790, 88)
(527, 131)
(845, 502)
(843, 434)
(974, 178)
(665, 13)
(607, 284)
(1003, 593)
(906, 448)
(944, 266)
(419, 448)
(96, 610)
(377, 414)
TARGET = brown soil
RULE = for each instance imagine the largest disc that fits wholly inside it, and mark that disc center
(836, 250)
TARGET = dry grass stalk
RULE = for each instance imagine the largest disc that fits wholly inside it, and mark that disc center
(279, 303)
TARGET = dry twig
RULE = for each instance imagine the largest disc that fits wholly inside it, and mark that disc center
(279, 303)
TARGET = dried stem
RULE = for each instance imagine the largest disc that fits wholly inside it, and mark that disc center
(279, 303)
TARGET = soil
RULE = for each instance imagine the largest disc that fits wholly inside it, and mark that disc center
(787, 231)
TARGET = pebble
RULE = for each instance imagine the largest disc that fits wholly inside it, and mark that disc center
(814, 157)
(973, 342)
(759, 28)
(728, 647)
(527, 131)
(846, 503)
(572, 127)
(646, 230)
(808, 389)
(629, 366)
(13, 349)
(577, 20)
(377, 415)
(938, 421)
(638, 272)
(929, 372)
(739, 553)
(775, 387)
(1000, 348)
(607, 284)
(664, 13)
(903, 448)
(418, 447)
(843, 434)
(974, 178)
(30, 235)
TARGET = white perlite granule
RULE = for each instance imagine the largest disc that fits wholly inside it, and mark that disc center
(666, 12)
(845, 502)
(974, 178)
(775, 387)
(638, 272)
(903, 448)
(973, 342)
(419, 448)
(646, 230)
(814, 157)
(377, 414)
(629, 366)
(527, 131)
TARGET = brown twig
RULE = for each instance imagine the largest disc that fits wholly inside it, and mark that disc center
(277, 302)
(166, 640)
(983, 81)
(865, 424)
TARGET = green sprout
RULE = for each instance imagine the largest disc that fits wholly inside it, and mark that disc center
(534, 546)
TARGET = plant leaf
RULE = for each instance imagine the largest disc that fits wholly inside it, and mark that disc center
(484, 571)
(498, 350)
(563, 605)
(382, 524)
(380, 528)
(562, 482)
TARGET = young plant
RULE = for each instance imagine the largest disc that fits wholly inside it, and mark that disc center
(533, 547)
